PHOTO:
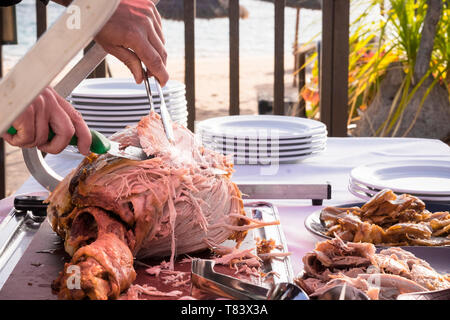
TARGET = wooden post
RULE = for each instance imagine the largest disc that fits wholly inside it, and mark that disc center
(296, 56)
(41, 18)
(233, 10)
(301, 83)
(334, 66)
(278, 94)
(189, 48)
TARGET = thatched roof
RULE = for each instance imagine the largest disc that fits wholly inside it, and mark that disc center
(206, 9)
(304, 4)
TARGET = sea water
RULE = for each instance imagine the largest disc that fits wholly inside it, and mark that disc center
(211, 36)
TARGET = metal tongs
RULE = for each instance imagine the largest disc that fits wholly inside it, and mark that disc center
(165, 116)
(204, 278)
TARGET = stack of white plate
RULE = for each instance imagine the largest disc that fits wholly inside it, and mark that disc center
(264, 139)
(110, 104)
(426, 179)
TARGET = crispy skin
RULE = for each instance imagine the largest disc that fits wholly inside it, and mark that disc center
(382, 275)
(171, 203)
(389, 220)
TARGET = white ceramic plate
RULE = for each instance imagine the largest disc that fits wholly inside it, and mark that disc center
(425, 177)
(109, 124)
(125, 101)
(266, 149)
(261, 125)
(110, 108)
(280, 154)
(357, 187)
(264, 139)
(268, 161)
(112, 88)
(127, 112)
(254, 145)
(117, 116)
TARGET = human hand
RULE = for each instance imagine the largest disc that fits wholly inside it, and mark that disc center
(49, 109)
(134, 34)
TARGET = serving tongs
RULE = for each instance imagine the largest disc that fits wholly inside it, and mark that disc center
(165, 116)
(204, 278)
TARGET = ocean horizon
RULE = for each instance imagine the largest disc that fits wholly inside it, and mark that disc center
(211, 37)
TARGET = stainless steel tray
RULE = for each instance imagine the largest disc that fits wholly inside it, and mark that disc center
(281, 267)
(16, 232)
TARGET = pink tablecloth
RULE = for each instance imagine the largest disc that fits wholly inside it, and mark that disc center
(332, 166)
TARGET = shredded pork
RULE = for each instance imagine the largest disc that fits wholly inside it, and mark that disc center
(170, 204)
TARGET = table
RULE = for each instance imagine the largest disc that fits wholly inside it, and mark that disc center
(333, 166)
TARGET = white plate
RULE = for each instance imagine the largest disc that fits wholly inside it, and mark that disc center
(254, 146)
(254, 126)
(110, 108)
(269, 161)
(427, 177)
(110, 124)
(280, 154)
(123, 119)
(360, 187)
(104, 101)
(265, 149)
(367, 193)
(112, 88)
(128, 112)
(264, 140)
(118, 116)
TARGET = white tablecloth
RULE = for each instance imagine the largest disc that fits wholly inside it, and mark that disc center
(333, 166)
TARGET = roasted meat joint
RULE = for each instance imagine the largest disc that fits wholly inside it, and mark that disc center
(111, 210)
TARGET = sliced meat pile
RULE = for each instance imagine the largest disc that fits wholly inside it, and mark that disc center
(389, 219)
(382, 275)
(110, 210)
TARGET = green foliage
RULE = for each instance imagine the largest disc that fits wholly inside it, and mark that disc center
(385, 32)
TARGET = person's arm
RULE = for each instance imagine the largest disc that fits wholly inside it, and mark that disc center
(50, 110)
(134, 34)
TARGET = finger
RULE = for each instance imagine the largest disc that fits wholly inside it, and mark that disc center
(130, 59)
(155, 21)
(25, 128)
(41, 121)
(152, 61)
(81, 129)
(61, 125)
(156, 13)
(156, 42)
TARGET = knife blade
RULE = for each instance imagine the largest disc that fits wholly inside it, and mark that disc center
(101, 145)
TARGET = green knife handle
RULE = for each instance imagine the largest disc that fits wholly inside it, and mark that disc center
(100, 144)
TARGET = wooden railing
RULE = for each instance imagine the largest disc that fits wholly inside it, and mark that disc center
(333, 77)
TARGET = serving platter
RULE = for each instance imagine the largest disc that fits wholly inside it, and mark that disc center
(437, 256)
(44, 258)
(314, 224)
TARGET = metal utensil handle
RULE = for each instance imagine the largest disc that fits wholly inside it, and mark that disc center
(165, 116)
(147, 87)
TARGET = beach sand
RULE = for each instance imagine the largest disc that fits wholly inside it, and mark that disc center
(212, 95)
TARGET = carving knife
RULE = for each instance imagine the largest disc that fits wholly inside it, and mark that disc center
(101, 144)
